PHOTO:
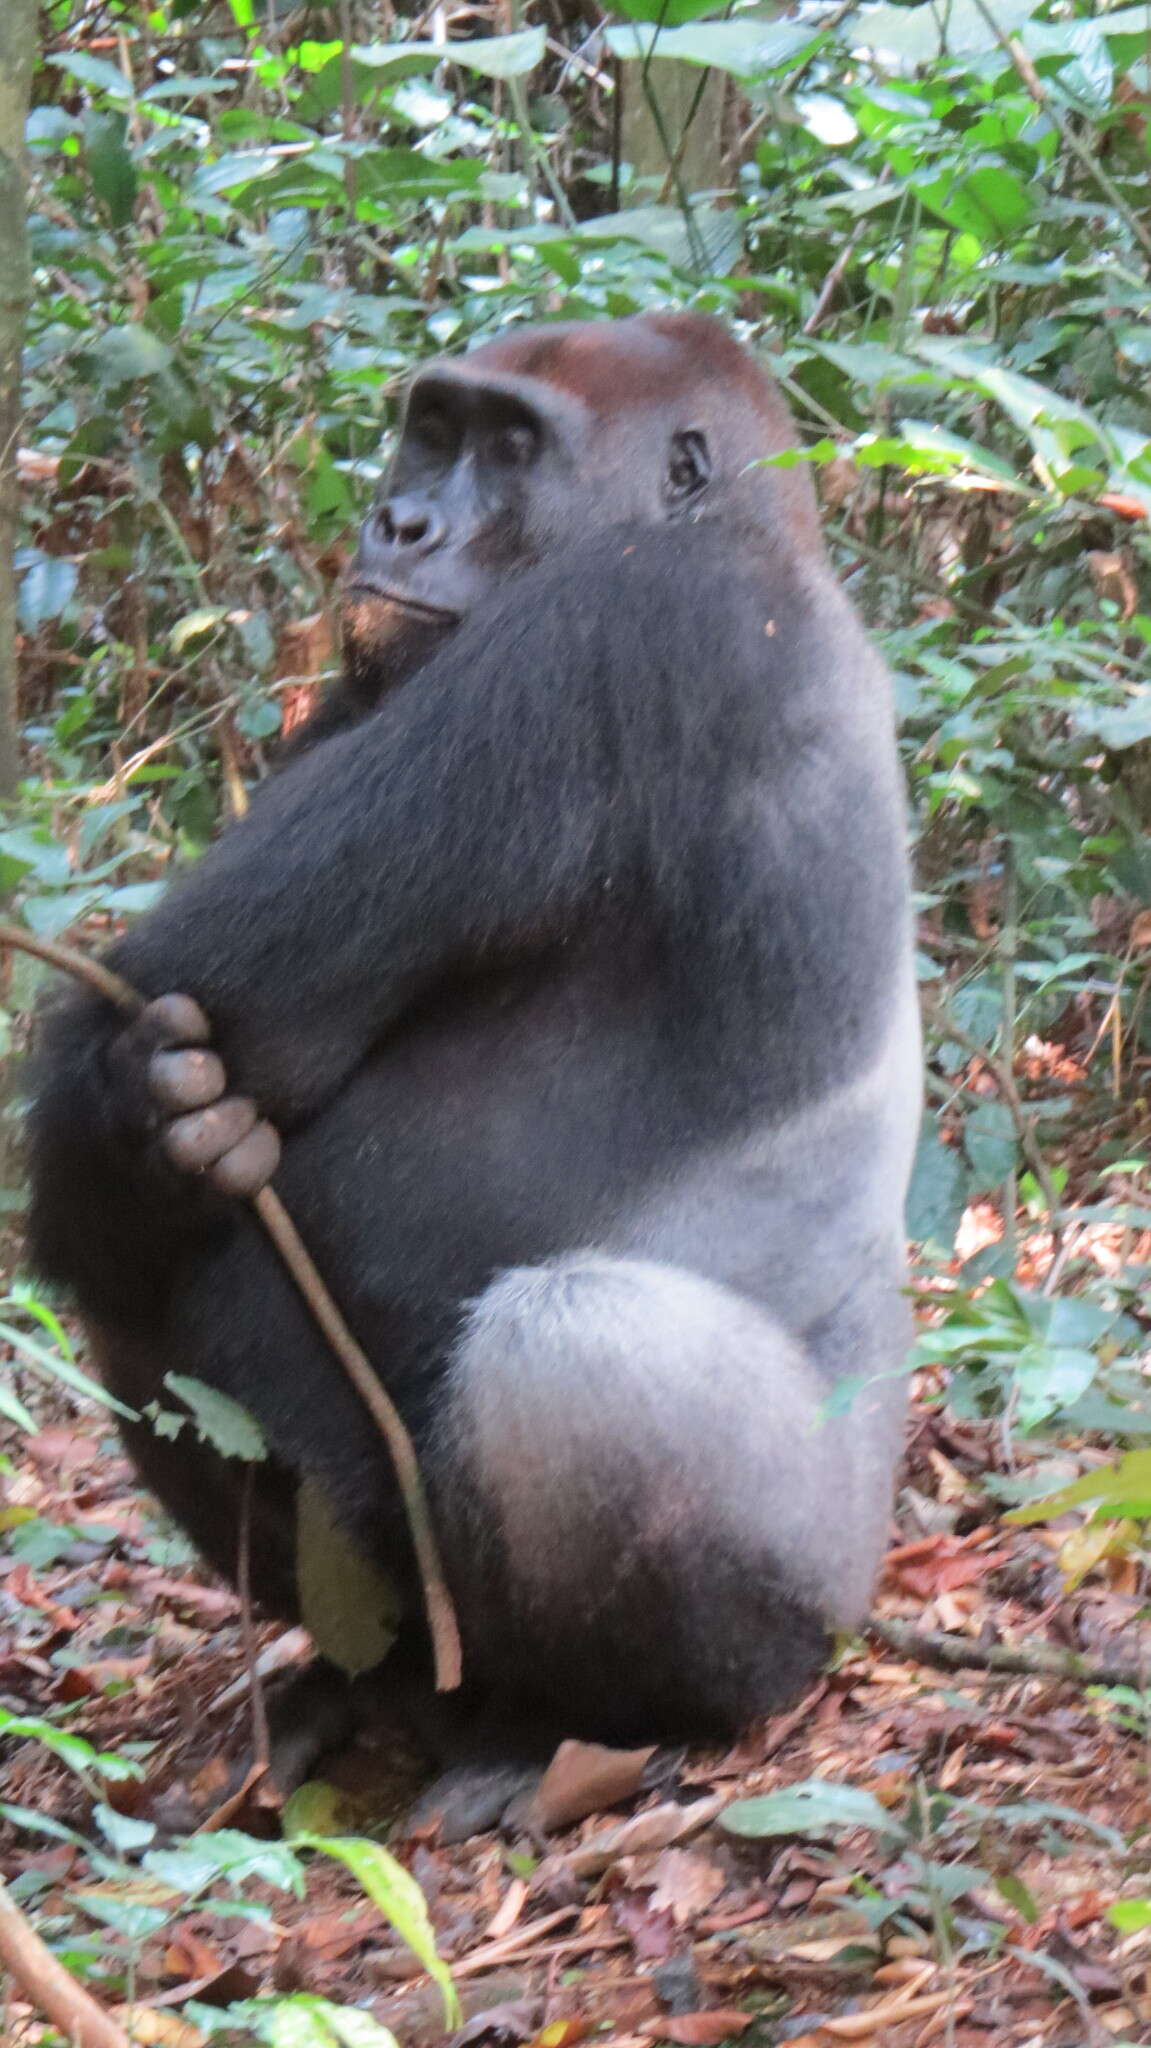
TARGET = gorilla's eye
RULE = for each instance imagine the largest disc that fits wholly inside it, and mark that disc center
(689, 465)
(515, 445)
(436, 430)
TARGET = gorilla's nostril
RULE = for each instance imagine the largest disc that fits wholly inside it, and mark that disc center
(405, 524)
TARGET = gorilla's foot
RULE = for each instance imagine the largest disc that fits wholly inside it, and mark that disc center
(310, 1713)
(472, 1798)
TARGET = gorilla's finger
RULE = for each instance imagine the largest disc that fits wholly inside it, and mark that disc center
(249, 1166)
(186, 1080)
(193, 1143)
(175, 1020)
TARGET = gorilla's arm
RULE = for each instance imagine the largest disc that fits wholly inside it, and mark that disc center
(577, 746)
(483, 809)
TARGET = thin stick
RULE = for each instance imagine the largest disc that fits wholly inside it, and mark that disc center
(441, 1614)
(960, 1653)
(257, 1704)
(52, 1990)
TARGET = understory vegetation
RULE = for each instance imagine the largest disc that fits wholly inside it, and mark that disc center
(248, 220)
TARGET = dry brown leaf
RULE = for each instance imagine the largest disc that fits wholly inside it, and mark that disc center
(700, 2029)
(686, 1882)
(508, 1911)
(658, 1828)
(154, 2029)
(861, 2026)
(583, 1778)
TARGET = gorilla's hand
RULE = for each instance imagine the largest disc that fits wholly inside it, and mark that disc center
(163, 1062)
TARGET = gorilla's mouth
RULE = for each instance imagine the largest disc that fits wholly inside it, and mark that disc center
(361, 592)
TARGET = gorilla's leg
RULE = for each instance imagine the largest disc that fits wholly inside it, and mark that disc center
(651, 1522)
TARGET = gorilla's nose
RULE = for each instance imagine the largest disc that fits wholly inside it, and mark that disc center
(411, 522)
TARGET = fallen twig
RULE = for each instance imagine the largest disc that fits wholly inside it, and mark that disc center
(960, 1653)
(49, 1986)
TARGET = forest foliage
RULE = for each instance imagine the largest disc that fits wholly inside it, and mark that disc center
(247, 224)
(249, 219)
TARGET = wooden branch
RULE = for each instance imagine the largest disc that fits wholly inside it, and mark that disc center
(49, 1986)
(960, 1653)
(441, 1613)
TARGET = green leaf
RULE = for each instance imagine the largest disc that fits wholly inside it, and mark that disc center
(351, 1607)
(110, 165)
(937, 1196)
(1130, 1916)
(922, 33)
(1118, 725)
(1050, 1377)
(814, 1807)
(123, 353)
(304, 2020)
(55, 1366)
(990, 203)
(1016, 1894)
(669, 13)
(500, 56)
(13, 1410)
(397, 1895)
(991, 1143)
(46, 589)
(221, 1421)
(94, 72)
(1122, 1489)
(193, 624)
(746, 49)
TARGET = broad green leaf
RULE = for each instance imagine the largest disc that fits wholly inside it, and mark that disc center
(399, 1898)
(110, 165)
(1117, 725)
(46, 589)
(930, 438)
(937, 1196)
(991, 1143)
(990, 203)
(243, 167)
(223, 1423)
(814, 1807)
(305, 2020)
(923, 33)
(94, 72)
(124, 353)
(201, 1859)
(499, 56)
(1048, 1378)
(1124, 1488)
(667, 13)
(1130, 1916)
(746, 49)
(73, 1750)
(193, 624)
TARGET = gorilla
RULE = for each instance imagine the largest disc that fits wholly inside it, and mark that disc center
(562, 977)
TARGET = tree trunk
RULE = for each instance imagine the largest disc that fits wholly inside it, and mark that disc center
(17, 59)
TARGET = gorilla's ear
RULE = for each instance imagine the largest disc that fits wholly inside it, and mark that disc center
(688, 467)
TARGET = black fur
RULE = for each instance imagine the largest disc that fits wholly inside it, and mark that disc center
(609, 890)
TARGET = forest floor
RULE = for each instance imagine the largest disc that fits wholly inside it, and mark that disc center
(979, 1920)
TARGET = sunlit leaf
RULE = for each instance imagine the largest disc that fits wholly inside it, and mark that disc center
(815, 1807)
(221, 1421)
(397, 1895)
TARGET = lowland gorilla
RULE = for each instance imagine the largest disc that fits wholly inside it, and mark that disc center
(563, 980)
